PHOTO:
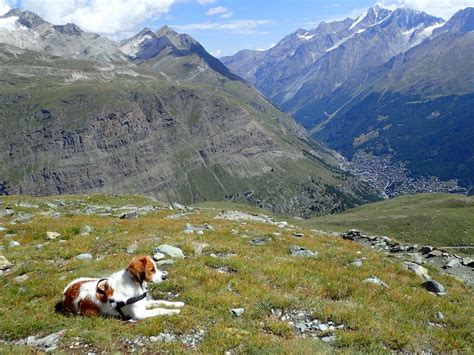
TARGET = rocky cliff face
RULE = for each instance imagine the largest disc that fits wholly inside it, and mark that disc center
(175, 124)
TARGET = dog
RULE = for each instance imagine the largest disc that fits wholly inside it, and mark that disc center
(123, 294)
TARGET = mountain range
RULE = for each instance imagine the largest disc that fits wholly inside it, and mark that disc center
(155, 114)
(396, 84)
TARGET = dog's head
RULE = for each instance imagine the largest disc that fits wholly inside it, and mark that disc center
(143, 269)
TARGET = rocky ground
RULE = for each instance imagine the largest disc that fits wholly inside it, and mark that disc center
(251, 282)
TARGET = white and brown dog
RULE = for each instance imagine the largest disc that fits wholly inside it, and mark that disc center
(122, 294)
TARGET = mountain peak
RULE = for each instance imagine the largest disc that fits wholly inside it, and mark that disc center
(26, 18)
(461, 22)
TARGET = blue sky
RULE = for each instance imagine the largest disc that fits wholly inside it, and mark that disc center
(222, 26)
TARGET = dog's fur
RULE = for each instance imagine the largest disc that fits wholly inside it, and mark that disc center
(88, 296)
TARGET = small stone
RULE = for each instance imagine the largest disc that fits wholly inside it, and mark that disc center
(376, 281)
(426, 249)
(4, 263)
(85, 230)
(322, 327)
(302, 252)
(397, 249)
(468, 261)
(277, 312)
(420, 271)
(328, 339)
(356, 263)
(237, 311)
(200, 233)
(416, 258)
(298, 235)
(6, 212)
(434, 286)
(440, 316)
(132, 248)
(301, 327)
(129, 215)
(178, 206)
(165, 262)
(3, 229)
(52, 235)
(261, 241)
(85, 256)
(14, 243)
(21, 278)
(158, 256)
(174, 252)
(199, 248)
(452, 263)
(435, 253)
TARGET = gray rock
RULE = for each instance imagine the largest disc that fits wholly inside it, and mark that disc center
(165, 262)
(174, 252)
(13, 244)
(199, 248)
(302, 252)
(328, 339)
(129, 215)
(6, 212)
(132, 248)
(85, 256)
(468, 261)
(48, 343)
(416, 258)
(4, 263)
(52, 235)
(158, 256)
(23, 218)
(322, 327)
(261, 241)
(435, 254)
(85, 230)
(397, 249)
(439, 315)
(420, 271)
(434, 286)
(356, 263)
(237, 311)
(452, 263)
(426, 249)
(177, 206)
(375, 281)
(3, 229)
(22, 278)
(298, 235)
(302, 327)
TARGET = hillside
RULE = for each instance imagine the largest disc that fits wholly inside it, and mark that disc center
(441, 220)
(292, 304)
(174, 123)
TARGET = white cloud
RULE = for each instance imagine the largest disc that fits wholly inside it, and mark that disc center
(206, 2)
(217, 53)
(3, 7)
(110, 17)
(219, 10)
(236, 26)
(441, 8)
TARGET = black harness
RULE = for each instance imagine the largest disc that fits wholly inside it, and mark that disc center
(119, 305)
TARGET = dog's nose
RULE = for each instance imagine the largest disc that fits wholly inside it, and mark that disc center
(164, 276)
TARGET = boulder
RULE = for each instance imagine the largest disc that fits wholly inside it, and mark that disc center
(468, 262)
(435, 254)
(301, 252)
(434, 286)
(419, 270)
(452, 263)
(85, 256)
(426, 249)
(174, 252)
(129, 215)
(4, 263)
(375, 281)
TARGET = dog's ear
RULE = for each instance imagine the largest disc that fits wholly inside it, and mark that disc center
(137, 268)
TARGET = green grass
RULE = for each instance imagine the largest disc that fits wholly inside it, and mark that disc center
(442, 220)
(265, 277)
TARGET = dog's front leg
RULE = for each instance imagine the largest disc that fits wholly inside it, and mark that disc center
(142, 312)
(158, 303)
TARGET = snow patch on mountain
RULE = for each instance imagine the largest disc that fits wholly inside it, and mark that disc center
(8, 23)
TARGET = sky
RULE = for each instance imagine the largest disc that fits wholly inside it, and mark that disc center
(222, 26)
